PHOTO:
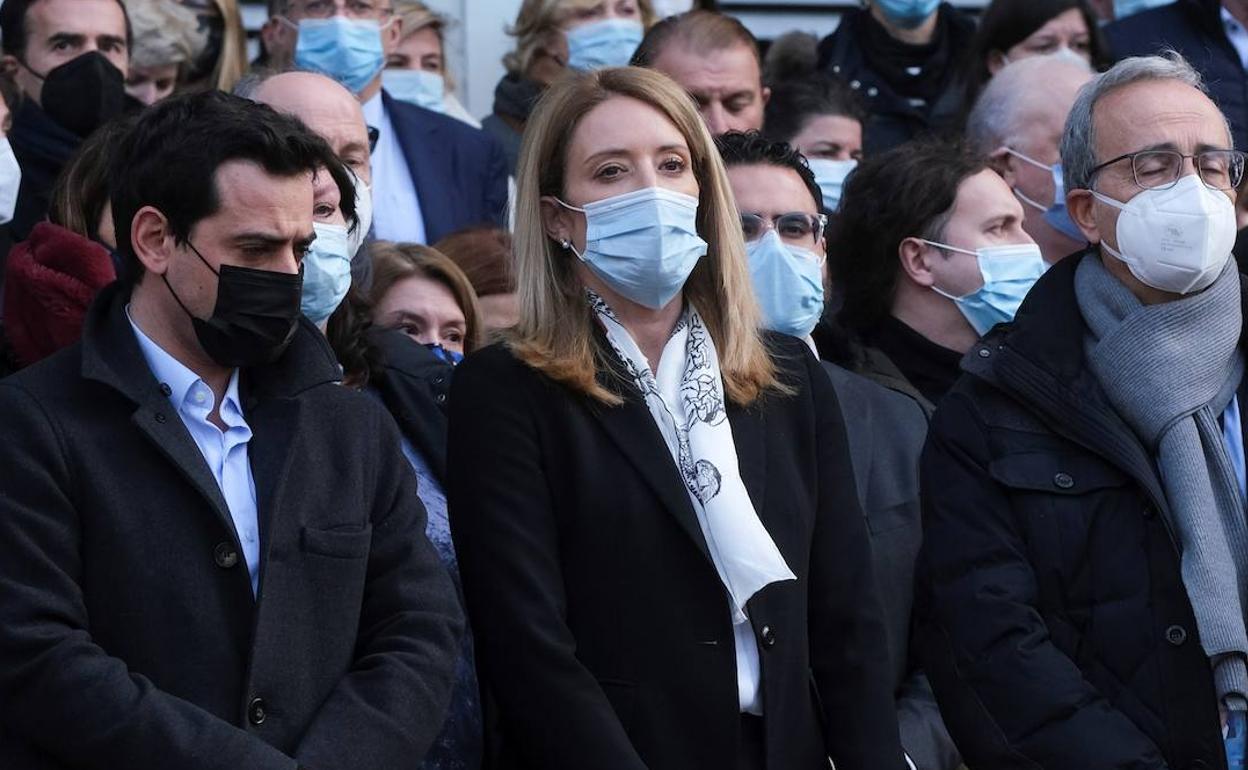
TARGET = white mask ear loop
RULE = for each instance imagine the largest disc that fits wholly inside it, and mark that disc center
(938, 245)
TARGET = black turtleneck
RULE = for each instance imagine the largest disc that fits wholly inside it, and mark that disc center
(929, 367)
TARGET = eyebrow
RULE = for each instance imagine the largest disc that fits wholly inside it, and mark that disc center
(110, 40)
(616, 152)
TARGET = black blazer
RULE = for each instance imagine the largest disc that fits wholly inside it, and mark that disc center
(129, 637)
(603, 632)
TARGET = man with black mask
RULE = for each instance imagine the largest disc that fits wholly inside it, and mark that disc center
(212, 555)
(69, 58)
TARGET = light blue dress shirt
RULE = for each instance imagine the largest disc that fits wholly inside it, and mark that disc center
(396, 206)
(1233, 437)
(225, 452)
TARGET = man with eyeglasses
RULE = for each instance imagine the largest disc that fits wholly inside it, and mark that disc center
(1084, 571)
(432, 175)
(779, 202)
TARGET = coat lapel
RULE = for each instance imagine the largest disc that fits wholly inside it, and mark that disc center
(750, 436)
(432, 170)
(273, 426)
(163, 427)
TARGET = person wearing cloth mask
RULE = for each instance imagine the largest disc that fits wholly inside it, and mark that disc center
(486, 256)
(1085, 548)
(51, 278)
(431, 174)
(821, 117)
(197, 444)
(778, 200)
(417, 72)
(905, 58)
(929, 252)
(1210, 34)
(337, 259)
(1017, 124)
(163, 33)
(630, 425)
(716, 60)
(69, 58)
(553, 37)
(1011, 30)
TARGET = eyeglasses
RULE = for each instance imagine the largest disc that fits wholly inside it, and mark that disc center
(1161, 169)
(795, 226)
(352, 9)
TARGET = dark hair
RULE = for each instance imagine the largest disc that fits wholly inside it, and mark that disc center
(794, 102)
(752, 148)
(13, 26)
(81, 190)
(169, 160)
(485, 255)
(1006, 23)
(347, 332)
(906, 192)
(701, 30)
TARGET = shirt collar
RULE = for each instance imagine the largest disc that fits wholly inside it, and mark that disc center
(374, 110)
(180, 381)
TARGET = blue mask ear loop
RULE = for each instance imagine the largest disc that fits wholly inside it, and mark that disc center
(565, 243)
(947, 247)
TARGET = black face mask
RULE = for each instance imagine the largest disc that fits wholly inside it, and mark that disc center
(255, 318)
(84, 93)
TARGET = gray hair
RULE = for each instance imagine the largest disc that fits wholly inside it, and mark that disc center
(1078, 148)
(998, 114)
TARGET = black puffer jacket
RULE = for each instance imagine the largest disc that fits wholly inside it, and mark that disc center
(1055, 627)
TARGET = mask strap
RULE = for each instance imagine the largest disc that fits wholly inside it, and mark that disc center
(567, 206)
(1108, 201)
(191, 246)
(1028, 159)
(1028, 201)
(165, 277)
(26, 67)
(947, 247)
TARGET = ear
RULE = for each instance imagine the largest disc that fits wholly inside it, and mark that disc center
(276, 38)
(1080, 205)
(996, 62)
(766, 92)
(393, 33)
(8, 65)
(151, 240)
(556, 221)
(913, 254)
(1002, 161)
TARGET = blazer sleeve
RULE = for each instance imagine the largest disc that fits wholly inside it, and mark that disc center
(923, 733)
(391, 705)
(1009, 696)
(848, 645)
(552, 712)
(59, 690)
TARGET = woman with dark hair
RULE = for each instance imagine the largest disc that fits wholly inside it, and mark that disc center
(1011, 30)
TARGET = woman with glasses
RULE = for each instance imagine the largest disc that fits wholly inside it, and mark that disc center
(663, 556)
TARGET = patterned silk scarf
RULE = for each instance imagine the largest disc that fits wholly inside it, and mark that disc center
(686, 400)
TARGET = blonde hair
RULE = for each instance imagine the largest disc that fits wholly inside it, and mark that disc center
(555, 333)
(393, 262)
(539, 20)
(232, 64)
(415, 16)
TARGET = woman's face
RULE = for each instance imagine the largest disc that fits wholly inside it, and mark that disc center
(151, 84)
(425, 310)
(832, 137)
(1065, 30)
(620, 146)
(600, 11)
(421, 50)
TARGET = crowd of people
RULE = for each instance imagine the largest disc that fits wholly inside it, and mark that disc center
(868, 402)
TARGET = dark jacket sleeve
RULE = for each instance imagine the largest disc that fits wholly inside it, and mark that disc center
(1009, 696)
(923, 733)
(496, 183)
(553, 713)
(386, 712)
(58, 689)
(848, 646)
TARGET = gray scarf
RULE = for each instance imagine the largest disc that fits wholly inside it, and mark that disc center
(1170, 370)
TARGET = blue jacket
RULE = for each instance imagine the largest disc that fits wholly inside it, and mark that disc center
(460, 173)
(1194, 29)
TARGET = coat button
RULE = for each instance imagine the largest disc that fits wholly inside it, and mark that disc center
(1063, 481)
(224, 555)
(160, 417)
(440, 398)
(165, 390)
(984, 352)
(1176, 635)
(769, 637)
(256, 711)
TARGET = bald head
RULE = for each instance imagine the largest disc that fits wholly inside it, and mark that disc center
(1031, 95)
(325, 107)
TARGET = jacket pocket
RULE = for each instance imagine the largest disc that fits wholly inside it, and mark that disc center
(1056, 473)
(338, 543)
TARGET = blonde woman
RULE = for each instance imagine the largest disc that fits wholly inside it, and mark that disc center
(416, 70)
(663, 556)
(553, 37)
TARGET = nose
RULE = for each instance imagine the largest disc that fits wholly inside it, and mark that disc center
(716, 118)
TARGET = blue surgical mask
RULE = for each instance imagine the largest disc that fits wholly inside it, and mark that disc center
(445, 355)
(326, 272)
(419, 87)
(1008, 272)
(1056, 215)
(830, 176)
(643, 244)
(907, 14)
(788, 282)
(347, 50)
(606, 43)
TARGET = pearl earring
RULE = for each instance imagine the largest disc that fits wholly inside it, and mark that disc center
(565, 243)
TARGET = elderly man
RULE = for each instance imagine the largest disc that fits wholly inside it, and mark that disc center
(1017, 122)
(715, 58)
(1085, 557)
